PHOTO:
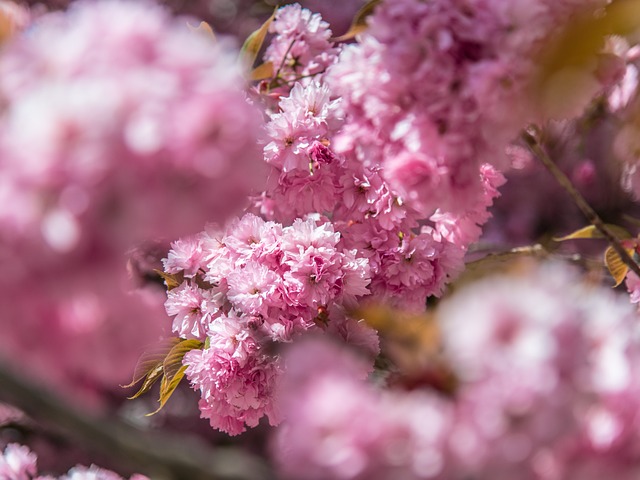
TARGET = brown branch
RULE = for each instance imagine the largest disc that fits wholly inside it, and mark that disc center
(580, 201)
(155, 454)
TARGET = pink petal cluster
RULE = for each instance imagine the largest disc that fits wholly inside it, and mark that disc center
(307, 176)
(18, 463)
(548, 390)
(257, 282)
(301, 47)
(433, 90)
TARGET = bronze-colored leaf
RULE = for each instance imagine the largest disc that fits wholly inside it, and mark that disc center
(172, 280)
(152, 377)
(622, 17)
(415, 333)
(173, 361)
(359, 23)
(566, 68)
(592, 231)
(167, 387)
(151, 359)
(615, 265)
(495, 263)
(253, 43)
(203, 29)
(262, 72)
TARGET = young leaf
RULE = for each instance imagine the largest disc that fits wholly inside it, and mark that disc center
(167, 387)
(591, 231)
(615, 265)
(359, 23)
(253, 43)
(414, 333)
(203, 29)
(152, 359)
(172, 280)
(173, 361)
(495, 263)
(152, 377)
(262, 71)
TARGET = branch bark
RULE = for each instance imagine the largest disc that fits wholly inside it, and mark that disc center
(580, 201)
(154, 454)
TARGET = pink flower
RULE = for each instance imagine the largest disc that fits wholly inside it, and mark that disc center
(186, 255)
(260, 283)
(302, 46)
(17, 463)
(234, 378)
(194, 309)
(253, 289)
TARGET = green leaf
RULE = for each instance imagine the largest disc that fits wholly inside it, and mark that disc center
(615, 265)
(592, 232)
(167, 387)
(253, 43)
(359, 23)
(261, 72)
(173, 361)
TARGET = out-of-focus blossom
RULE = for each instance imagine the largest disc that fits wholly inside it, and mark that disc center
(19, 463)
(547, 390)
(113, 133)
(123, 129)
(338, 427)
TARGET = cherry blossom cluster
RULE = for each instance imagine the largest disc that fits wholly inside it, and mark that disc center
(411, 257)
(262, 279)
(548, 389)
(19, 463)
(253, 283)
(433, 90)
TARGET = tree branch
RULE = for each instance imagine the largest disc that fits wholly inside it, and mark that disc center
(580, 201)
(157, 455)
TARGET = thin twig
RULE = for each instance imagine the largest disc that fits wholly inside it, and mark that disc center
(284, 59)
(157, 455)
(580, 201)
